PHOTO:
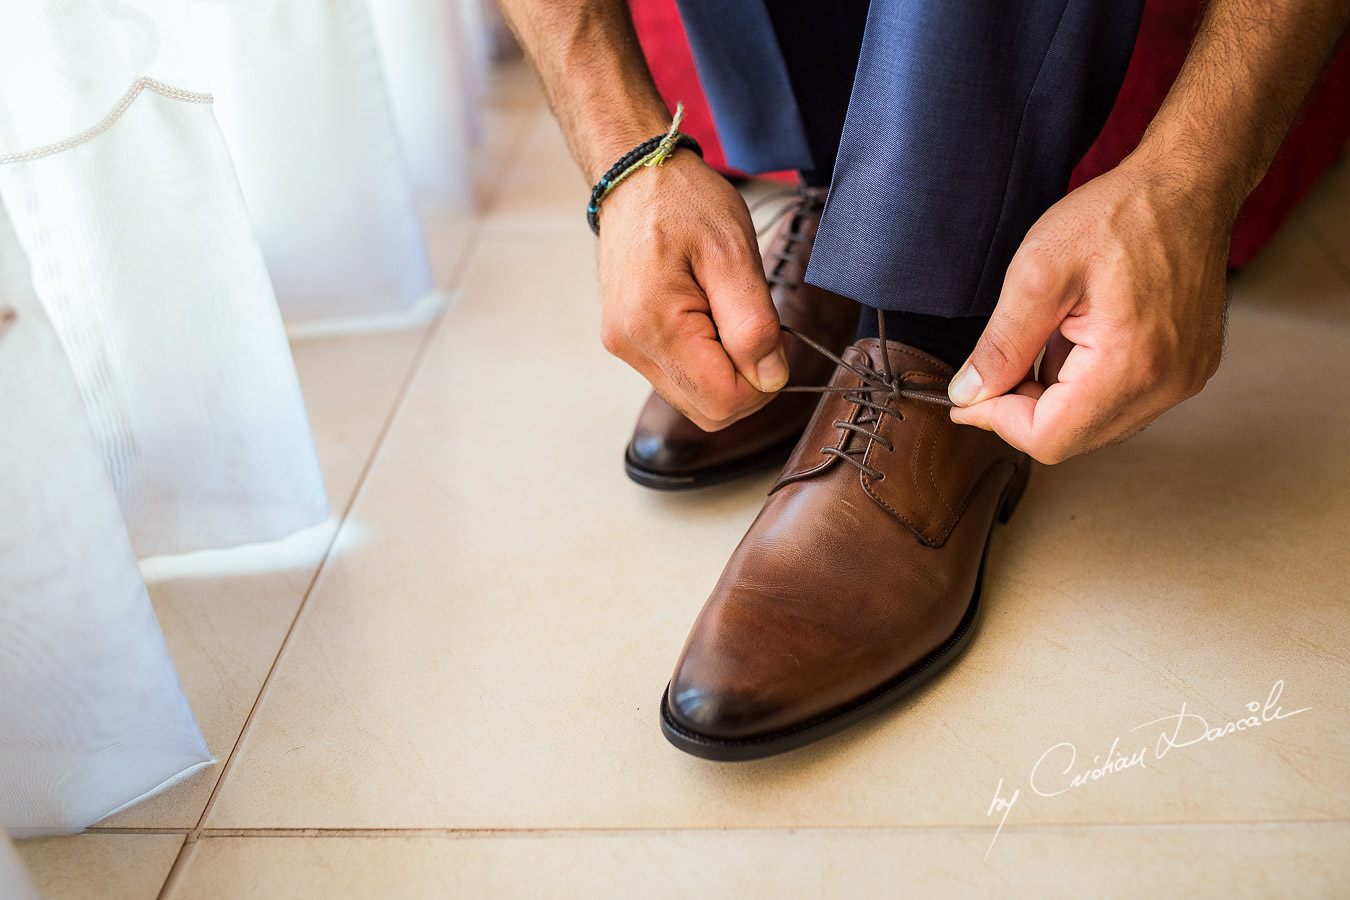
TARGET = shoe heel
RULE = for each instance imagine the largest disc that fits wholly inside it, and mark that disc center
(1017, 485)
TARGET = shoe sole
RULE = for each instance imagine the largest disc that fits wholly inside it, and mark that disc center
(768, 458)
(874, 701)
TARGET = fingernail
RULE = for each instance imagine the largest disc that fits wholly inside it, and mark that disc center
(772, 371)
(965, 386)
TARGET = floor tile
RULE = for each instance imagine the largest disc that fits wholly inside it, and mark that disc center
(350, 385)
(100, 866)
(488, 649)
(545, 192)
(226, 613)
(511, 105)
(511, 112)
(1327, 211)
(1209, 861)
(449, 238)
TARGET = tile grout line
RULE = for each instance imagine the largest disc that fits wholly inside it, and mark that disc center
(606, 832)
(498, 184)
(451, 286)
(194, 832)
(601, 832)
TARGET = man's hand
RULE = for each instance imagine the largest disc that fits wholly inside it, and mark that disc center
(1122, 283)
(685, 300)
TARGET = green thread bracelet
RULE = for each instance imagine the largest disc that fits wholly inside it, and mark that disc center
(649, 153)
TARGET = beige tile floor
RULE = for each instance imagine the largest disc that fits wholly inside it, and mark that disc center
(451, 687)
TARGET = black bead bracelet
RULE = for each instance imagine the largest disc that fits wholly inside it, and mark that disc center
(650, 152)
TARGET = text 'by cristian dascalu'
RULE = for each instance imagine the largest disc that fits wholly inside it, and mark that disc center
(1061, 769)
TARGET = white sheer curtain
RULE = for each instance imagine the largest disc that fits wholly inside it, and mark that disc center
(92, 714)
(177, 179)
(14, 883)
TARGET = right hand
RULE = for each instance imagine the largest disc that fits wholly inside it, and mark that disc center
(685, 302)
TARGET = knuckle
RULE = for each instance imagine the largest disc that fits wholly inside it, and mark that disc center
(725, 247)
(1034, 274)
(694, 415)
(759, 329)
(1150, 370)
(996, 347)
(718, 409)
(1189, 387)
(1169, 384)
(1209, 370)
(1050, 456)
(612, 337)
(637, 328)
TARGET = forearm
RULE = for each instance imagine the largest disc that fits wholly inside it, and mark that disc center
(1249, 72)
(594, 74)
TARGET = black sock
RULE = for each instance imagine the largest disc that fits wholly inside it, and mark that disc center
(950, 340)
(816, 178)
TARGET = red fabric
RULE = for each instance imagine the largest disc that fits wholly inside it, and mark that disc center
(661, 34)
(1164, 37)
(1314, 144)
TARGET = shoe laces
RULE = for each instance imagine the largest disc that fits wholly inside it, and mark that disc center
(877, 397)
(800, 204)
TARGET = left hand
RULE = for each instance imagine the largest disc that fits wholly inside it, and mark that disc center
(1123, 283)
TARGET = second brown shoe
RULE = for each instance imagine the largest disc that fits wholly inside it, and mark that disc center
(860, 578)
(669, 452)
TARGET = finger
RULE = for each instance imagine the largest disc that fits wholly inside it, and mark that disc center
(1029, 310)
(1054, 422)
(1056, 352)
(746, 320)
(682, 394)
(1022, 419)
(667, 335)
(713, 385)
(682, 355)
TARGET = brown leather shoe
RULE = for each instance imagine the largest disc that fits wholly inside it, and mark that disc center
(670, 452)
(860, 578)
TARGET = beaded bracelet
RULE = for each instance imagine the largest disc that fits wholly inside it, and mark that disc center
(649, 153)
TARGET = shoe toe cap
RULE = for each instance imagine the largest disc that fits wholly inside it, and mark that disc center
(714, 714)
(657, 453)
(757, 666)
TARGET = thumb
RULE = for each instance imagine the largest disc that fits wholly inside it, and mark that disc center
(747, 325)
(1028, 312)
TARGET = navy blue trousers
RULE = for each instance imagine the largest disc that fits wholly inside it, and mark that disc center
(945, 127)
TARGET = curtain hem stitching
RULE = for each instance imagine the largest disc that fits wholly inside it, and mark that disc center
(139, 85)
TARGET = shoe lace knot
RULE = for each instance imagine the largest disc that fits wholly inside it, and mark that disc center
(879, 395)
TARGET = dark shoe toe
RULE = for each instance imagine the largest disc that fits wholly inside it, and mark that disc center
(711, 713)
